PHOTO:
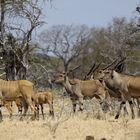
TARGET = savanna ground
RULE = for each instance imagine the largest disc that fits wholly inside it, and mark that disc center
(67, 126)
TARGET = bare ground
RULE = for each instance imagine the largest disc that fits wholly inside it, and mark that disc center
(67, 126)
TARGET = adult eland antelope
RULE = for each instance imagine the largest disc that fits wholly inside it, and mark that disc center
(81, 89)
(11, 90)
(128, 85)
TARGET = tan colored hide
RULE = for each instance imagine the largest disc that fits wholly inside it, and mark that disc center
(45, 97)
(81, 89)
(11, 90)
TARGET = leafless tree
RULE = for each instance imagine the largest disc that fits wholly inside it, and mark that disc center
(65, 42)
(19, 19)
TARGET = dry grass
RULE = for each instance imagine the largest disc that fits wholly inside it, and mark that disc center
(67, 126)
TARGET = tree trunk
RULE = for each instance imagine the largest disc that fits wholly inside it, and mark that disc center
(2, 27)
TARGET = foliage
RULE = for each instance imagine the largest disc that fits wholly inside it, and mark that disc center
(61, 47)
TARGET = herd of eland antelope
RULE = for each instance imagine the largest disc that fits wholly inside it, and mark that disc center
(100, 83)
